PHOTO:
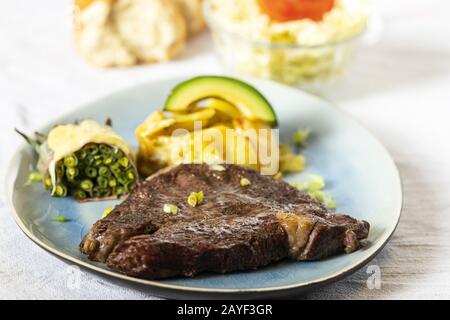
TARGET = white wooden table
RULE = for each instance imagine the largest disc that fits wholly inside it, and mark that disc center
(399, 89)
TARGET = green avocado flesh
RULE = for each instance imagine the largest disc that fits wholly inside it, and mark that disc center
(249, 101)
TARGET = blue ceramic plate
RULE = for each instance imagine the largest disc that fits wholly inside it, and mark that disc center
(359, 172)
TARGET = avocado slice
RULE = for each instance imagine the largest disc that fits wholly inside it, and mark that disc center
(249, 101)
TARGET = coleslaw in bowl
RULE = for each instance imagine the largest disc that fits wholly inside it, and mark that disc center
(303, 52)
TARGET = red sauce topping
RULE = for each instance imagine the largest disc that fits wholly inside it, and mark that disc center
(288, 10)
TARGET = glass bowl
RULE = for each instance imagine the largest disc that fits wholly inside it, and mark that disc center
(308, 67)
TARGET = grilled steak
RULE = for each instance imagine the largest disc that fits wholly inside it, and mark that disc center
(235, 228)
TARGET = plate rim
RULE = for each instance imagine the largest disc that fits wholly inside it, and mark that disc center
(187, 289)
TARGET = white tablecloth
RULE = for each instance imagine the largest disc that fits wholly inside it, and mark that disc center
(398, 88)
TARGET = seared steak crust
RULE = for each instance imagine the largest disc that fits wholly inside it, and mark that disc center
(217, 245)
(235, 228)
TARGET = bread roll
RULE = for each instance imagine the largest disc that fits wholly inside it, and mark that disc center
(154, 30)
(121, 33)
(97, 40)
(83, 4)
(193, 14)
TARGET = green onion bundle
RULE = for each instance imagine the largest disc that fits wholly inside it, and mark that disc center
(87, 161)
